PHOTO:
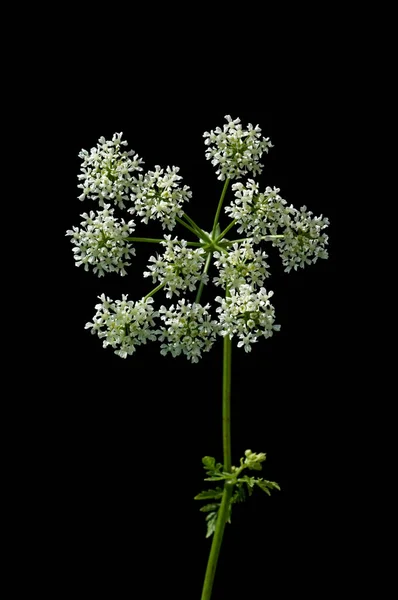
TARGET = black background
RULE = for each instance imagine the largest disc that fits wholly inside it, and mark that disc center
(128, 435)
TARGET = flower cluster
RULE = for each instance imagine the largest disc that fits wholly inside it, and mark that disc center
(101, 242)
(235, 151)
(123, 324)
(188, 329)
(240, 265)
(106, 171)
(179, 267)
(113, 176)
(158, 195)
(253, 460)
(247, 314)
(258, 214)
(303, 242)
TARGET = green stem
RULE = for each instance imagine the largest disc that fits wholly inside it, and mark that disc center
(158, 241)
(196, 233)
(139, 239)
(200, 233)
(224, 233)
(263, 237)
(156, 289)
(226, 403)
(205, 270)
(223, 513)
(224, 191)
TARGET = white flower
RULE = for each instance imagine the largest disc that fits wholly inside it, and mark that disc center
(240, 265)
(235, 151)
(106, 171)
(303, 242)
(188, 329)
(101, 242)
(180, 267)
(158, 195)
(267, 214)
(123, 324)
(247, 314)
(258, 214)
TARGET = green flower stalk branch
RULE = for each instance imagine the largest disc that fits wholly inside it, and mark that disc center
(114, 179)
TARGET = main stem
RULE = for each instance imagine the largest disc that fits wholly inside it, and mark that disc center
(223, 512)
(226, 403)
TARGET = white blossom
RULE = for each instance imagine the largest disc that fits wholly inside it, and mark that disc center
(100, 242)
(258, 214)
(123, 324)
(303, 242)
(113, 176)
(235, 151)
(107, 171)
(247, 315)
(267, 214)
(179, 267)
(158, 195)
(240, 265)
(188, 329)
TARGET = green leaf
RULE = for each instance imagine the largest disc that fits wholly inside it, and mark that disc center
(210, 494)
(239, 494)
(211, 523)
(209, 462)
(250, 482)
(209, 507)
(212, 468)
(218, 477)
(266, 486)
(255, 466)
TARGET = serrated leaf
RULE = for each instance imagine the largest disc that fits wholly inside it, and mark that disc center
(209, 462)
(239, 494)
(209, 507)
(266, 486)
(211, 467)
(250, 481)
(217, 477)
(210, 494)
(211, 523)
